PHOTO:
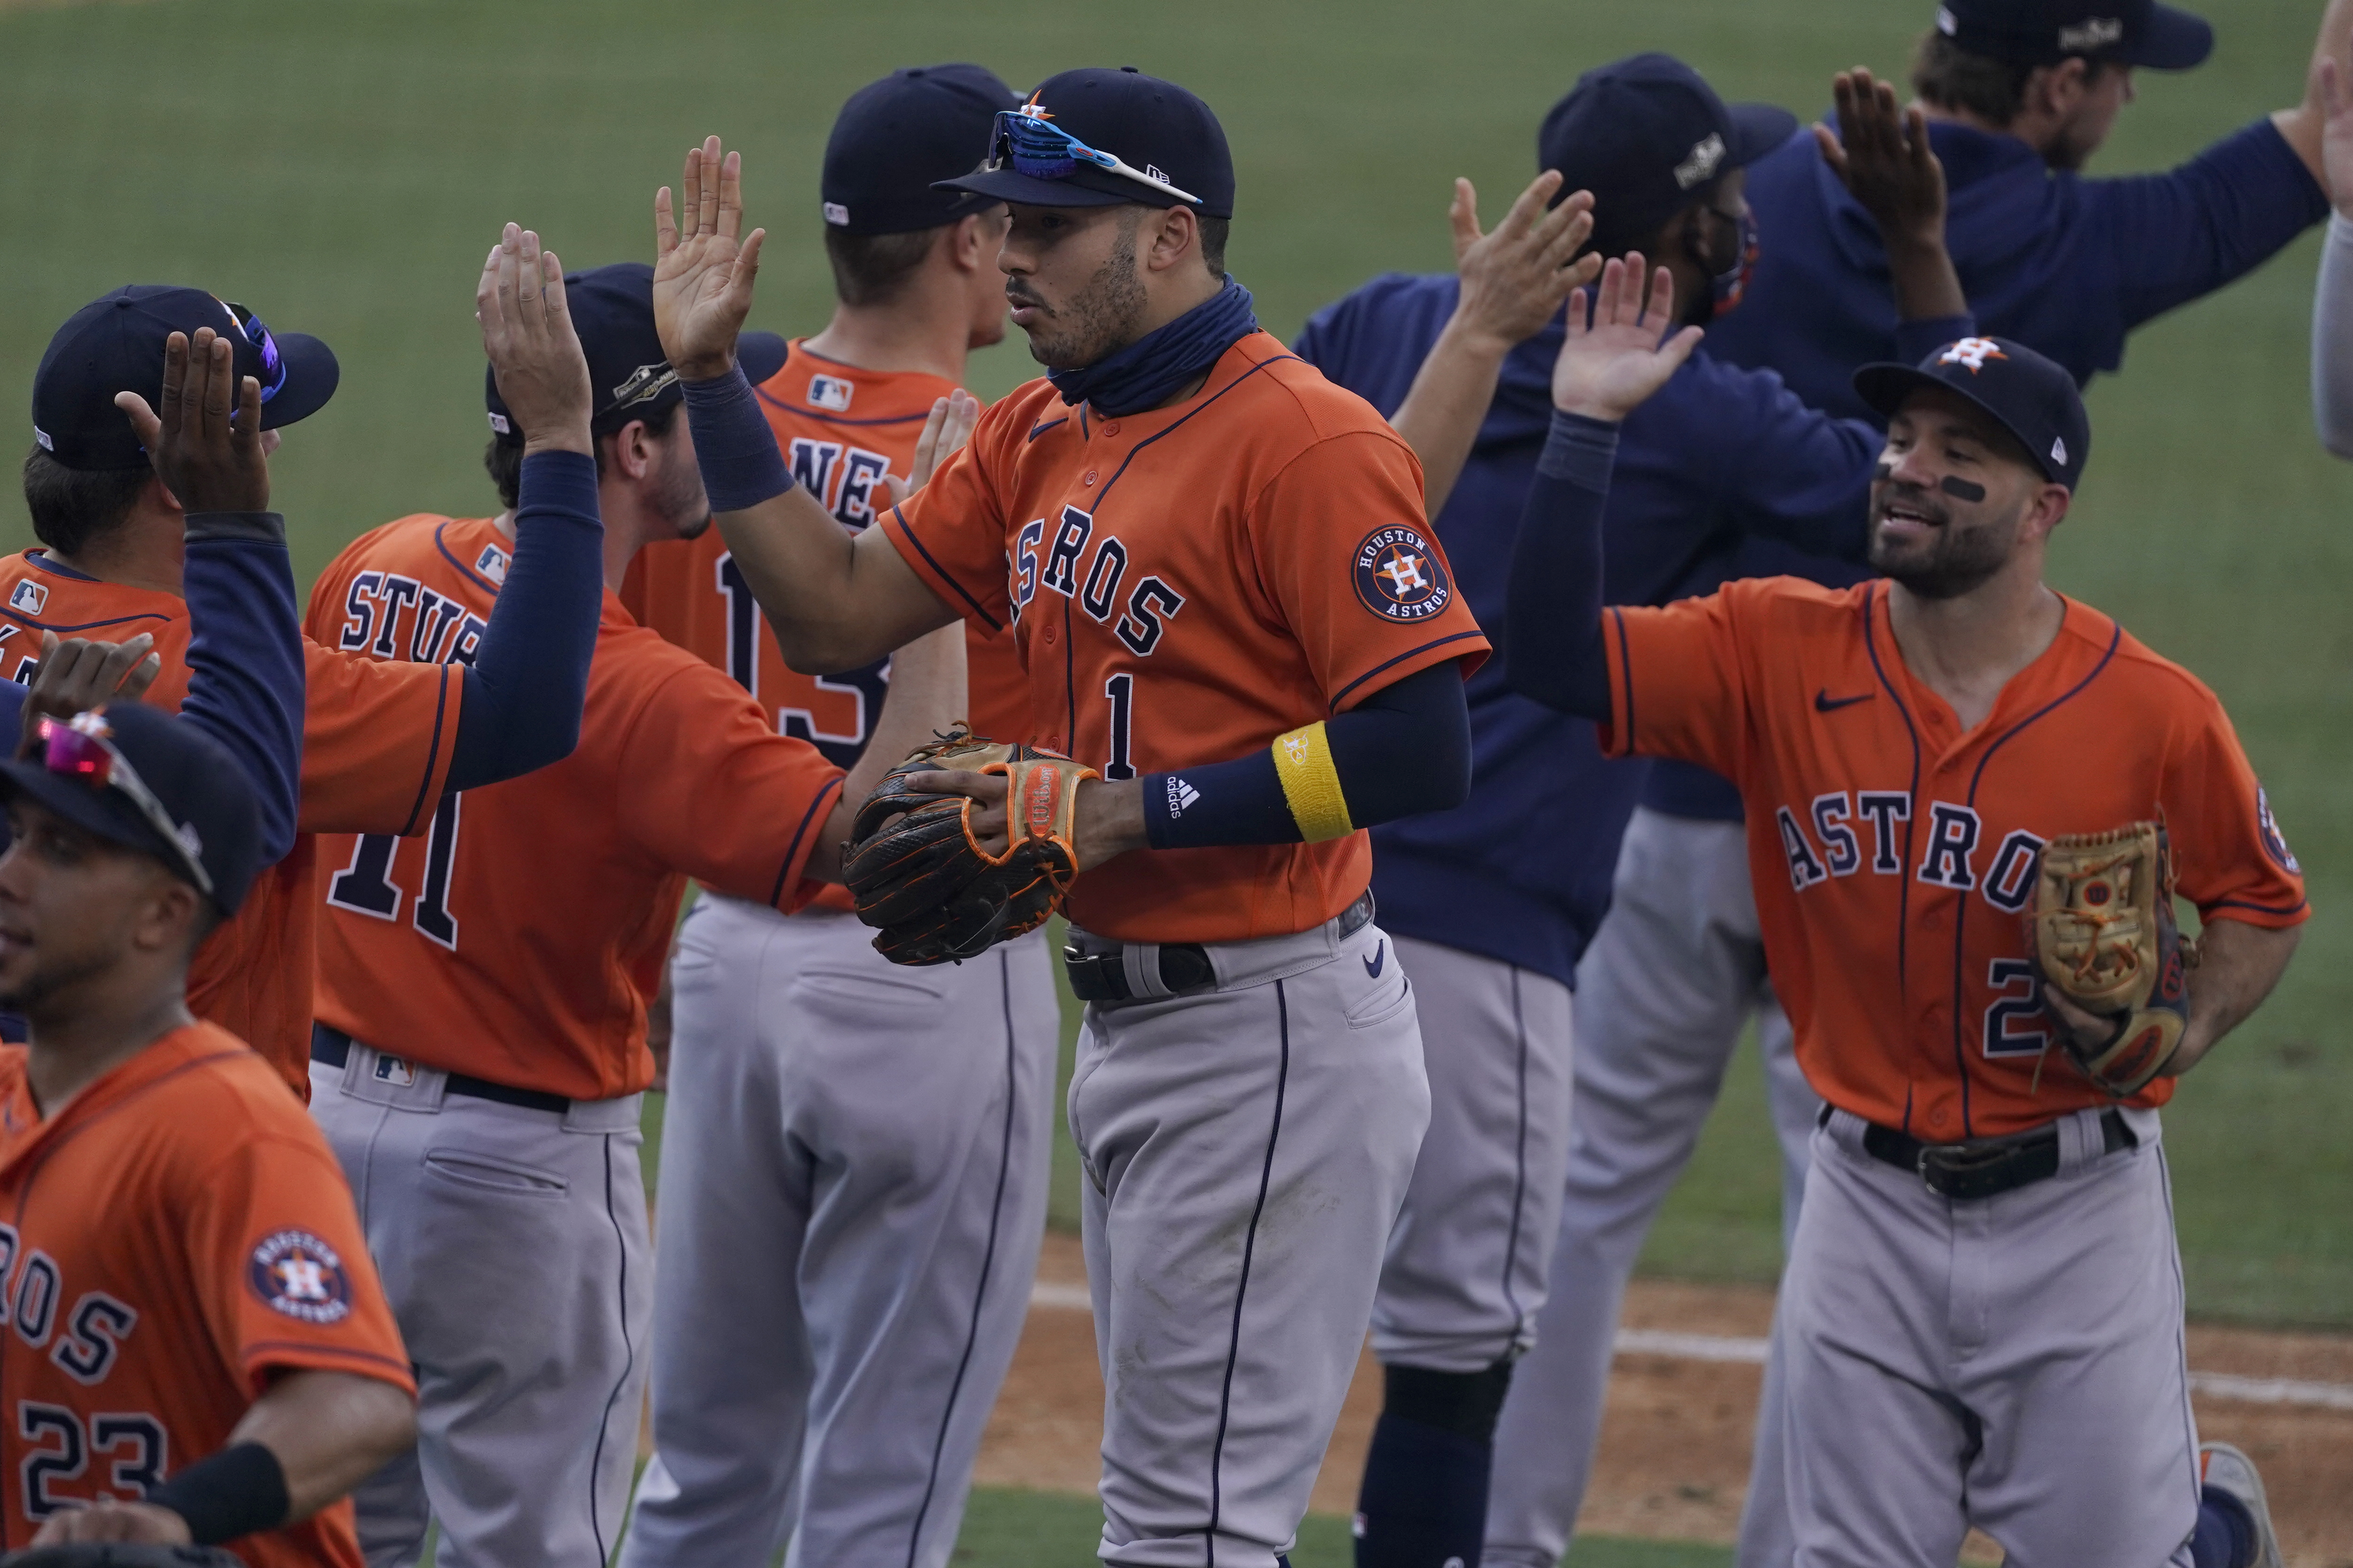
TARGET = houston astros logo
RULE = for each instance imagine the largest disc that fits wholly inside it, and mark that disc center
(1033, 110)
(1399, 576)
(1972, 353)
(2275, 844)
(298, 1275)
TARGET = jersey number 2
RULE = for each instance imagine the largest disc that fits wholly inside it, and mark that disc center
(365, 886)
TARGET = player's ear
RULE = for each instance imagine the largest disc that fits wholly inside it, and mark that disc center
(2049, 509)
(169, 917)
(1175, 238)
(632, 450)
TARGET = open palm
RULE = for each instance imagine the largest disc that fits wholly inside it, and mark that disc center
(1611, 366)
(702, 273)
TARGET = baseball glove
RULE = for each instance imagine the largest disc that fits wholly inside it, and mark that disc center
(2105, 939)
(925, 882)
(121, 1554)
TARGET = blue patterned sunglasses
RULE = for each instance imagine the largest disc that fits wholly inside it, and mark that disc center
(1025, 138)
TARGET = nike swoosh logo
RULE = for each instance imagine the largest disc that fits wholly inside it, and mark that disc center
(1826, 703)
(1380, 956)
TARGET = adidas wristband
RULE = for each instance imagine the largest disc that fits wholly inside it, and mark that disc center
(733, 445)
(237, 1492)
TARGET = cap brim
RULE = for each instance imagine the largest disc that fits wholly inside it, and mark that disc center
(1757, 130)
(1009, 184)
(312, 377)
(762, 355)
(2175, 40)
(102, 811)
(1885, 386)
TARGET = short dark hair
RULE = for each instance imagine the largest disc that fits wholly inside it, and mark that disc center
(873, 269)
(1950, 77)
(503, 458)
(71, 507)
(1213, 244)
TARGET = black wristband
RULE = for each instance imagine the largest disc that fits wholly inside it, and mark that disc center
(238, 1492)
(259, 527)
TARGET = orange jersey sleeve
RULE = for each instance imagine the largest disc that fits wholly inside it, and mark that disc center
(519, 937)
(178, 1234)
(1186, 585)
(37, 595)
(1893, 852)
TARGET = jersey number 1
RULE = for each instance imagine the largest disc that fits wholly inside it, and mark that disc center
(365, 886)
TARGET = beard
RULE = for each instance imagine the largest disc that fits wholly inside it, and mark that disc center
(1096, 323)
(678, 497)
(26, 993)
(1958, 559)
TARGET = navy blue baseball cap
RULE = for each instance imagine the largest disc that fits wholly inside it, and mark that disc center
(2045, 32)
(135, 776)
(897, 138)
(116, 344)
(2030, 396)
(1139, 139)
(612, 310)
(1646, 135)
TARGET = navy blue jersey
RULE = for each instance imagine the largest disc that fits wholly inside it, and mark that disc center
(2064, 264)
(1721, 456)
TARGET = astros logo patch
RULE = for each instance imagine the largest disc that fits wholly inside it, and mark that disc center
(298, 1275)
(1400, 577)
(1973, 352)
(2275, 845)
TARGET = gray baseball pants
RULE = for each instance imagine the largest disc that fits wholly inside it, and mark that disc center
(513, 1245)
(1247, 1150)
(2014, 1363)
(853, 1192)
(1663, 996)
(1468, 1262)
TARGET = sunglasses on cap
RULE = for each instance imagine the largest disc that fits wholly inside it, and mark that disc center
(273, 367)
(81, 751)
(1043, 151)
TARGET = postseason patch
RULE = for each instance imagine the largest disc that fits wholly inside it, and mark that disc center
(298, 1275)
(1398, 575)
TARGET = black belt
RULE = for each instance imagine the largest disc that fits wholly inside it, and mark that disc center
(1102, 975)
(1992, 1166)
(334, 1048)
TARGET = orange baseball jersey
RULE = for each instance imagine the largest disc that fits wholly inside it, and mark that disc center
(376, 743)
(1184, 587)
(841, 429)
(1894, 856)
(172, 1238)
(520, 938)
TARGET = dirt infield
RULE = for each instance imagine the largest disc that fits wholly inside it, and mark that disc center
(1674, 1443)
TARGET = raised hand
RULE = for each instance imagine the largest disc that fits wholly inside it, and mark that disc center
(527, 332)
(702, 273)
(209, 460)
(1883, 156)
(947, 429)
(75, 675)
(2336, 132)
(1516, 278)
(1610, 367)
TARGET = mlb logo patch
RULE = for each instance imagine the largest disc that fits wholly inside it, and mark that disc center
(394, 1071)
(492, 563)
(837, 214)
(28, 597)
(830, 392)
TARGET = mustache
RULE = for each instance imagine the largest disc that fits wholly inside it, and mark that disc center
(1017, 295)
(1911, 497)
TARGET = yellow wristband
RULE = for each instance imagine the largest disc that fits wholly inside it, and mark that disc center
(1310, 783)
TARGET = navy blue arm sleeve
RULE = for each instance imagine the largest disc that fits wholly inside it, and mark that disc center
(245, 670)
(529, 675)
(1552, 617)
(1403, 750)
(2182, 234)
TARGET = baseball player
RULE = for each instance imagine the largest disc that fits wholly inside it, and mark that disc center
(480, 1054)
(1982, 1314)
(1491, 914)
(876, 1184)
(201, 1351)
(2017, 95)
(1216, 569)
(379, 745)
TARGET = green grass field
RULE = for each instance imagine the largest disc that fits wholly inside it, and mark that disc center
(344, 167)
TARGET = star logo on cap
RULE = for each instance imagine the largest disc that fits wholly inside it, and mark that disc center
(1033, 110)
(1972, 353)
